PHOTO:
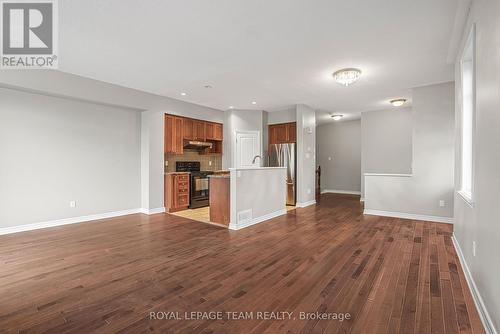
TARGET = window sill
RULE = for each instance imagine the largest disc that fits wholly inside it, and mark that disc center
(466, 197)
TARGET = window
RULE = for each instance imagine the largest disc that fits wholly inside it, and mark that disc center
(467, 67)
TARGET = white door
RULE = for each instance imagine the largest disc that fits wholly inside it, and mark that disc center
(247, 148)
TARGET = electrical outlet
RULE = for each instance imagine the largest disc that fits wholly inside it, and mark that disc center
(210, 162)
(473, 248)
(442, 203)
(72, 204)
(166, 163)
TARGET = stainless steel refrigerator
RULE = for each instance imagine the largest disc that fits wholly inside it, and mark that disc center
(284, 155)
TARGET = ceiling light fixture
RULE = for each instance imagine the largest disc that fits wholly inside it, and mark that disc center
(231, 107)
(336, 117)
(398, 102)
(183, 94)
(347, 76)
(208, 86)
(254, 102)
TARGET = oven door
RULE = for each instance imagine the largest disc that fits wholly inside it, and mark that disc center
(199, 191)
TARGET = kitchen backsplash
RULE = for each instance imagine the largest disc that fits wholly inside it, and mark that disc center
(192, 155)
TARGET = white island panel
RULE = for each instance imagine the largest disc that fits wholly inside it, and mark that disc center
(257, 195)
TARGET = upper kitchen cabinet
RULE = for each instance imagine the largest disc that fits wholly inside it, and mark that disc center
(218, 131)
(188, 129)
(209, 131)
(292, 132)
(282, 133)
(199, 130)
(213, 131)
(174, 134)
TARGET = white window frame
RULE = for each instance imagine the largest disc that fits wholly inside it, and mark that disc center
(468, 194)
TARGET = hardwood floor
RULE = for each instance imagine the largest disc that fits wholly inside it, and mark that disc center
(390, 275)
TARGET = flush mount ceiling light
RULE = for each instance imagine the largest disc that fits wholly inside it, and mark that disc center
(231, 107)
(183, 94)
(398, 102)
(254, 102)
(347, 76)
(336, 117)
(208, 86)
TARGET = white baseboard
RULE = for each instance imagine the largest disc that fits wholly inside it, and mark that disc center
(304, 204)
(152, 211)
(478, 300)
(250, 222)
(66, 221)
(347, 192)
(437, 219)
(76, 220)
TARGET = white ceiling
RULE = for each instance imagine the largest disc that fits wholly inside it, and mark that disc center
(275, 52)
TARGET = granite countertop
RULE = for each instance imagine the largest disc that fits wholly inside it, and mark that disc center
(175, 173)
(220, 176)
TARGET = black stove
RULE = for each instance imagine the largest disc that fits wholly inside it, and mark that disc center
(198, 182)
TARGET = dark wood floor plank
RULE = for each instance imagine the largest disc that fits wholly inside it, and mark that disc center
(392, 275)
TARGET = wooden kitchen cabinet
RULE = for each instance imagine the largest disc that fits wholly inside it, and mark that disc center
(188, 129)
(282, 133)
(180, 129)
(213, 131)
(176, 191)
(199, 130)
(209, 131)
(218, 133)
(174, 134)
(292, 132)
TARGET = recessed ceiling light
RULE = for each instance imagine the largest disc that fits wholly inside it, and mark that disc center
(398, 102)
(347, 76)
(337, 117)
(254, 102)
(183, 94)
(231, 107)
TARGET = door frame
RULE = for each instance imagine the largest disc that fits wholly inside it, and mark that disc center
(235, 141)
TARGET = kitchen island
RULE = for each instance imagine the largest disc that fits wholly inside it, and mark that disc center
(246, 196)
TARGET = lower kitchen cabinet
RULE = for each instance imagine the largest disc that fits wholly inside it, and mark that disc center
(176, 191)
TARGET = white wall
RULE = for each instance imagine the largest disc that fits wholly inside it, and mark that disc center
(433, 161)
(76, 88)
(241, 120)
(386, 142)
(283, 116)
(480, 223)
(338, 147)
(306, 155)
(56, 150)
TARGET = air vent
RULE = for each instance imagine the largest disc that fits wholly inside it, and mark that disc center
(245, 216)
